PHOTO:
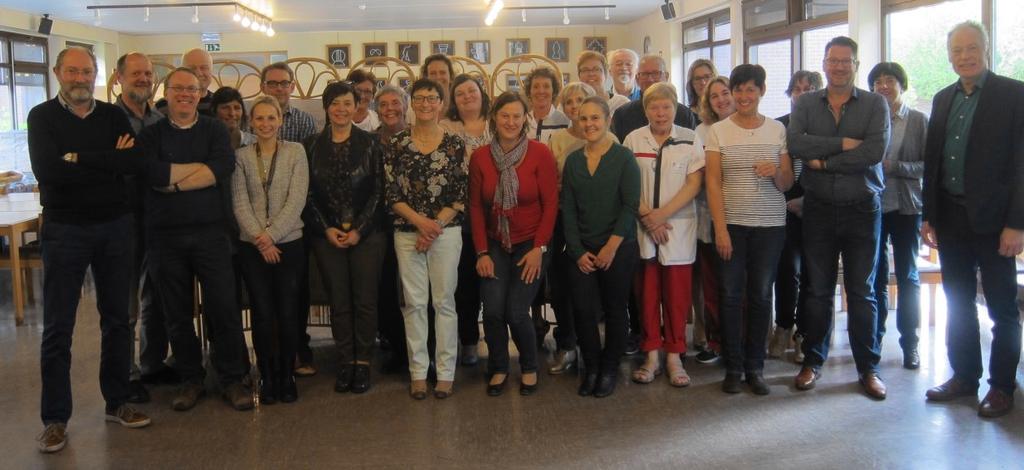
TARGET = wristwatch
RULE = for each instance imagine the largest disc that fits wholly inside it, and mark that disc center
(70, 157)
(543, 249)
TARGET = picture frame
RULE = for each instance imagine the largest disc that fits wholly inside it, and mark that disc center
(512, 82)
(339, 55)
(479, 50)
(566, 78)
(596, 44)
(442, 47)
(409, 52)
(517, 46)
(375, 49)
(557, 49)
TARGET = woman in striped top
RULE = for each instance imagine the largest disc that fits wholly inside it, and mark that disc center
(748, 169)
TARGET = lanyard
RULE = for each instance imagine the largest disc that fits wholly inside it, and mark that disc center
(267, 177)
(657, 172)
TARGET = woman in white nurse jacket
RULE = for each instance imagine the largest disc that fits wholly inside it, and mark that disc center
(671, 160)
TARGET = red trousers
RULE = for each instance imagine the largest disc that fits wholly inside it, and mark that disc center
(664, 294)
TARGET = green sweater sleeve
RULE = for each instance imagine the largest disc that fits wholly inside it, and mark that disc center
(629, 195)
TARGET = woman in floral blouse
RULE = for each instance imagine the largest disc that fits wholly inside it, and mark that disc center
(426, 189)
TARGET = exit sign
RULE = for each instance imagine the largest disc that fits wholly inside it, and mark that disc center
(212, 47)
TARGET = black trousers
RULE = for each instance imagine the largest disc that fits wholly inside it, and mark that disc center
(467, 293)
(390, 323)
(351, 276)
(790, 277)
(176, 258)
(273, 289)
(963, 253)
(613, 287)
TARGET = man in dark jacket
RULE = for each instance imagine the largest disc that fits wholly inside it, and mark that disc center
(974, 215)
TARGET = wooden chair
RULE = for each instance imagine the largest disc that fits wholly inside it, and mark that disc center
(513, 71)
(160, 70)
(463, 64)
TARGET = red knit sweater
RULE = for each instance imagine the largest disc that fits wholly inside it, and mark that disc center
(534, 216)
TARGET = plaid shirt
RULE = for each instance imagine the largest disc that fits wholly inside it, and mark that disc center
(296, 126)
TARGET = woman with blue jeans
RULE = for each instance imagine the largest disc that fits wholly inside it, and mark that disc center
(903, 167)
(513, 202)
(748, 170)
(426, 185)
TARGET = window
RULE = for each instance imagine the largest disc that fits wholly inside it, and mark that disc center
(777, 59)
(784, 36)
(920, 46)
(1009, 39)
(707, 37)
(23, 84)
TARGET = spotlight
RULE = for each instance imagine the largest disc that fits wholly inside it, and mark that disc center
(97, 21)
(195, 15)
(146, 18)
(236, 17)
(606, 15)
(246, 21)
(565, 16)
(270, 31)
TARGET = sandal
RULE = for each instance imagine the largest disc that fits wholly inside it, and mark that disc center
(677, 377)
(643, 375)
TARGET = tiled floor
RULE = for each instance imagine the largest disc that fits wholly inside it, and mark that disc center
(652, 426)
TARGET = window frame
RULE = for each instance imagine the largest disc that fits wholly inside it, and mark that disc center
(19, 66)
(893, 6)
(707, 20)
(793, 29)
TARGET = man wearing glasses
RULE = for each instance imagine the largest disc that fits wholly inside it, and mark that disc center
(841, 133)
(278, 80)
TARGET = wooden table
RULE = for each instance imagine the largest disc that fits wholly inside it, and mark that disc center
(12, 226)
(19, 213)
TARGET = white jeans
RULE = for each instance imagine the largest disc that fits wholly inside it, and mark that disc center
(434, 272)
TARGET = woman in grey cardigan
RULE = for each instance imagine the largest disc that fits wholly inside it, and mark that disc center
(269, 192)
(903, 167)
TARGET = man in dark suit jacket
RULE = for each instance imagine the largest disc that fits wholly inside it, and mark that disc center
(632, 116)
(974, 215)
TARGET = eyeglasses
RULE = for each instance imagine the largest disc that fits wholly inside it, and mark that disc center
(703, 78)
(432, 99)
(838, 62)
(277, 84)
(657, 74)
(184, 89)
(584, 70)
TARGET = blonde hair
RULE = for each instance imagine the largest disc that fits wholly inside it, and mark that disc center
(707, 114)
(660, 91)
(267, 100)
(576, 87)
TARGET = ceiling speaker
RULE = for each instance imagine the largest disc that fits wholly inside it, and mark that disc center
(668, 10)
(45, 25)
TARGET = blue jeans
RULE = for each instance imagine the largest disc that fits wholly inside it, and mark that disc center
(750, 270)
(850, 231)
(905, 232)
(963, 254)
(69, 249)
(507, 302)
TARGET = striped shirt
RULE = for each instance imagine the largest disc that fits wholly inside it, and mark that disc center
(541, 130)
(750, 200)
(296, 125)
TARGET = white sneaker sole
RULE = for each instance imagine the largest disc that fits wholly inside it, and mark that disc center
(137, 424)
(51, 449)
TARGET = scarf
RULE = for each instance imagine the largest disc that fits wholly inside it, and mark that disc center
(506, 194)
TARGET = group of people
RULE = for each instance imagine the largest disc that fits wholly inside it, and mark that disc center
(606, 198)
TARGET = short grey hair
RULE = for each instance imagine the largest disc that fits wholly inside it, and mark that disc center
(402, 95)
(60, 57)
(657, 58)
(631, 52)
(970, 24)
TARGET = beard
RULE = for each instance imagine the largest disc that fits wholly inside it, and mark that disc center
(78, 94)
(623, 78)
(140, 94)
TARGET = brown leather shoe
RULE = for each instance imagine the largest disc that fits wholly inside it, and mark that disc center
(807, 378)
(951, 390)
(873, 385)
(997, 403)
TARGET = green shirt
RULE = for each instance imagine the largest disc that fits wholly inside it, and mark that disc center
(958, 129)
(595, 207)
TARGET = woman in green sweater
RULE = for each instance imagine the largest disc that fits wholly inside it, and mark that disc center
(600, 196)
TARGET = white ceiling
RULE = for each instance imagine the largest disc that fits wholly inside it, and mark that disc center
(340, 15)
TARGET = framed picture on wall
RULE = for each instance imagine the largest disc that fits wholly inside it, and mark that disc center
(339, 55)
(375, 49)
(517, 46)
(479, 51)
(565, 78)
(596, 44)
(409, 52)
(442, 47)
(512, 82)
(557, 49)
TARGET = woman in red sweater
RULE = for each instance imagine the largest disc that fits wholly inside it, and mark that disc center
(513, 203)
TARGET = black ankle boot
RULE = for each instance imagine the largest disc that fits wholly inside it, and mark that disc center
(588, 385)
(268, 385)
(289, 392)
(605, 385)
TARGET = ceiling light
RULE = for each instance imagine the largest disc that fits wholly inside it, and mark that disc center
(263, 27)
(236, 17)
(246, 21)
(565, 16)
(270, 31)
(195, 15)
(146, 18)
(362, 7)
(492, 12)
(255, 26)
(606, 15)
(524, 16)
(97, 21)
